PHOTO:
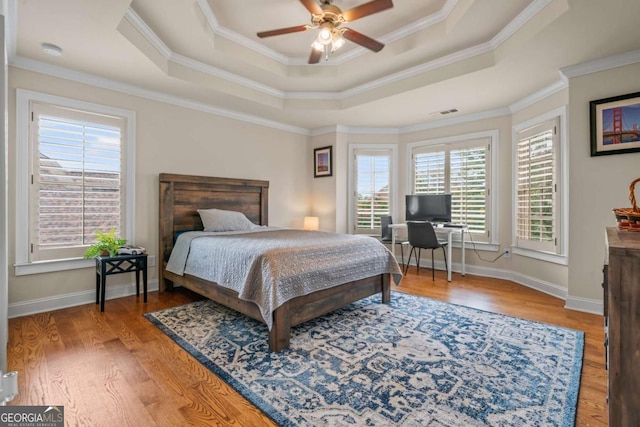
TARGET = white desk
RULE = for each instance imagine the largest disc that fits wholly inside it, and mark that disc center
(439, 230)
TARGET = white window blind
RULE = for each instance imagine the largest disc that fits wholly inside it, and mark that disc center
(373, 188)
(460, 169)
(536, 188)
(468, 187)
(77, 179)
(429, 172)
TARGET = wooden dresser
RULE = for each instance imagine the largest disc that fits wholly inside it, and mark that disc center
(622, 325)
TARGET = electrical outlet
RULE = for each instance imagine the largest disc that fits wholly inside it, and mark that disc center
(151, 261)
(507, 253)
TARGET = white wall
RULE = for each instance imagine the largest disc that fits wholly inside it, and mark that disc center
(329, 195)
(176, 140)
(181, 140)
(597, 184)
(4, 255)
(322, 196)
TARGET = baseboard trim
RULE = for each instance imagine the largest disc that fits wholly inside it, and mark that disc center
(57, 302)
(87, 297)
(571, 303)
(587, 305)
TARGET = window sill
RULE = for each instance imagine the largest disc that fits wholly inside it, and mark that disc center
(542, 256)
(51, 266)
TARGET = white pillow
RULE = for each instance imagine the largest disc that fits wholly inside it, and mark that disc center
(221, 220)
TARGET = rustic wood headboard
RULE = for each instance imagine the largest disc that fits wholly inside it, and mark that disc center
(182, 195)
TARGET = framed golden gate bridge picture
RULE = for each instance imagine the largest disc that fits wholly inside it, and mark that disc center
(615, 125)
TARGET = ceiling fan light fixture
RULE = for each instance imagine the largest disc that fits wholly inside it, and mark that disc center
(326, 33)
(328, 18)
(336, 41)
(317, 46)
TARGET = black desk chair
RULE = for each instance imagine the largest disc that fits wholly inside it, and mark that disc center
(422, 236)
(385, 222)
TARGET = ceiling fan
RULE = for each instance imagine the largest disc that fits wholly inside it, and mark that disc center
(329, 19)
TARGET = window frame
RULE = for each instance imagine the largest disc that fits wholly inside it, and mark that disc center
(24, 156)
(561, 172)
(392, 149)
(491, 241)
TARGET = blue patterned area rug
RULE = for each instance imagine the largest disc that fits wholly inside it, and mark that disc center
(413, 362)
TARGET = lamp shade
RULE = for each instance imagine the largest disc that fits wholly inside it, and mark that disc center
(311, 223)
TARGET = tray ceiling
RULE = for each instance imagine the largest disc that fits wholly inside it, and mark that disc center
(470, 55)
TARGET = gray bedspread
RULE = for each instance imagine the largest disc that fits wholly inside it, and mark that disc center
(270, 266)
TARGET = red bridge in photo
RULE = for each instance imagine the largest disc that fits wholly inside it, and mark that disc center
(618, 133)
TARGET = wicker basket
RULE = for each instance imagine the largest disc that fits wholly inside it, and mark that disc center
(629, 218)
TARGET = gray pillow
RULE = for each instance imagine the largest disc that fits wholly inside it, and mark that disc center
(221, 220)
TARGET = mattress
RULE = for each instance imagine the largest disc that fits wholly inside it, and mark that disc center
(269, 266)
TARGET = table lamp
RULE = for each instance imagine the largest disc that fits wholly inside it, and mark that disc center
(311, 223)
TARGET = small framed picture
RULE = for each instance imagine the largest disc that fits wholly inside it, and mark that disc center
(322, 162)
(614, 125)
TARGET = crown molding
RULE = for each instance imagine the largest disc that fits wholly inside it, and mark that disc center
(128, 89)
(329, 129)
(248, 43)
(483, 115)
(539, 95)
(64, 73)
(400, 33)
(138, 23)
(519, 21)
(453, 58)
(225, 75)
(354, 130)
(221, 31)
(84, 78)
(419, 69)
(602, 64)
(396, 77)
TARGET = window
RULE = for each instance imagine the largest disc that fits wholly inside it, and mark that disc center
(540, 188)
(372, 183)
(74, 177)
(461, 167)
(77, 185)
(536, 219)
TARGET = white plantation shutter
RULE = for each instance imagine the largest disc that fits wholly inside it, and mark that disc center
(429, 172)
(372, 187)
(536, 188)
(78, 180)
(468, 187)
(462, 170)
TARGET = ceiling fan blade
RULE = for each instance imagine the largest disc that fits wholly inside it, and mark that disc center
(362, 40)
(363, 10)
(312, 6)
(315, 56)
(287, 30)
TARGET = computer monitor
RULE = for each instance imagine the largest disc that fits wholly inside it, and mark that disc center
(428, 207)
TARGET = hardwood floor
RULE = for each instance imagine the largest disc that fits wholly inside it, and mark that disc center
(115, 368)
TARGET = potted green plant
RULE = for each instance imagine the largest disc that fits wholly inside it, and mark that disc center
(107, 244)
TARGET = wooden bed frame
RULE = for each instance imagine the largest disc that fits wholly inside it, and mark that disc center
(180, 198)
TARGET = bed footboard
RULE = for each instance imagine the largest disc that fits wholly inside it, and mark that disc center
(301, 309)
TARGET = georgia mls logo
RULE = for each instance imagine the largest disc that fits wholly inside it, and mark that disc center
(32, 416)
(56, 411)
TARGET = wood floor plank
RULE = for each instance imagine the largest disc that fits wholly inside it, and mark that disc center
(116, 368)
